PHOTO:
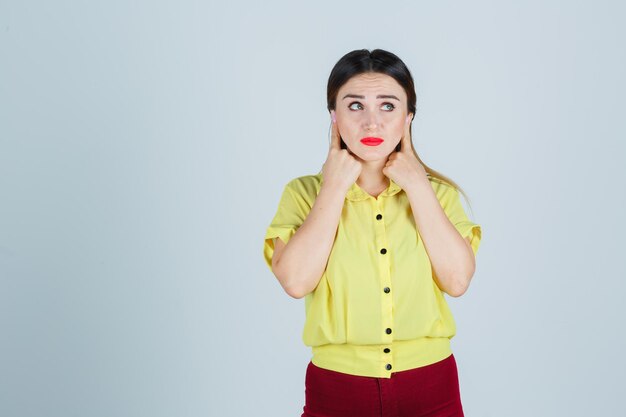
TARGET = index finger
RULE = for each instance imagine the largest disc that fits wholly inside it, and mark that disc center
(334, 136)
(406, 138)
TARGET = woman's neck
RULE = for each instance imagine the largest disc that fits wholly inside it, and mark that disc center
(372, 176)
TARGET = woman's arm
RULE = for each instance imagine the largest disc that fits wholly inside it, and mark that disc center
(300, 264)
(451, 256)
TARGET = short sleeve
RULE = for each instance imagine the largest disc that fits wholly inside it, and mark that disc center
(292, 210)
(451, 204)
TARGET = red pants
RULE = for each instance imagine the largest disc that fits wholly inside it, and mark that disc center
(427, 391)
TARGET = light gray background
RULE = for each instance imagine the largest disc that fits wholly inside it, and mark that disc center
(144, 146)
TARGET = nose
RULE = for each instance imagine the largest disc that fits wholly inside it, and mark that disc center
(370, 120)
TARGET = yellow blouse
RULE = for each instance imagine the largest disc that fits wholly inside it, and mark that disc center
(376, 309)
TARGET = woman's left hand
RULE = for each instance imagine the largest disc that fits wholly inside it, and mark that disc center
(403, 167)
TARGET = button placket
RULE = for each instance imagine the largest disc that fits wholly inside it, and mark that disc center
(385, 281)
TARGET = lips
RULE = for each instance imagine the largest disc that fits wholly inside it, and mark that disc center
(371, 141)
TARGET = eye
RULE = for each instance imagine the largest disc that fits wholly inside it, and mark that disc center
(391, 106)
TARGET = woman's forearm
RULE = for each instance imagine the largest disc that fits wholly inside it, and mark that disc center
(451, 257)
(304, 258)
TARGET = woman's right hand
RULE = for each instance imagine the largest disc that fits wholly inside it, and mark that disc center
(341, 168)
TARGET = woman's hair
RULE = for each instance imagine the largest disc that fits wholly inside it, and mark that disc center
(362, 61)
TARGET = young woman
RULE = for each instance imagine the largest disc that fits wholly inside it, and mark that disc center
(372, 243)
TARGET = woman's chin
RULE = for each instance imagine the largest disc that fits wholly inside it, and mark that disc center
(373, 155)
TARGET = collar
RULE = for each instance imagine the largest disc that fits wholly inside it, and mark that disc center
(356, 193)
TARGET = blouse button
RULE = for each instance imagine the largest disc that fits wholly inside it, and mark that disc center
(379, 216)
(388, 330)
(383, 251)
(387, 289)
(387, 350)
(388, 366)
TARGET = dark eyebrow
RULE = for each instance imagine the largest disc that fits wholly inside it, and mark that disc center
(378, 96)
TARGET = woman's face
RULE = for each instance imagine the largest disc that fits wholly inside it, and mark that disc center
(371, 105)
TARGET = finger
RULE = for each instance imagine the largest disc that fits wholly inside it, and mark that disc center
(406, 137)
(334, 136)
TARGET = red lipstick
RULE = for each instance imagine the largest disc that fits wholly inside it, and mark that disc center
(371, 141)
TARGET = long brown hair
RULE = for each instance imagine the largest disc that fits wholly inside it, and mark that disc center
(362, 61)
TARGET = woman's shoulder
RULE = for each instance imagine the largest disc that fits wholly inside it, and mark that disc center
(440, 185)
(307, 186)
(444, 191)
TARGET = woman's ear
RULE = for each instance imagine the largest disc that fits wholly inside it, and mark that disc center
(332, 116)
